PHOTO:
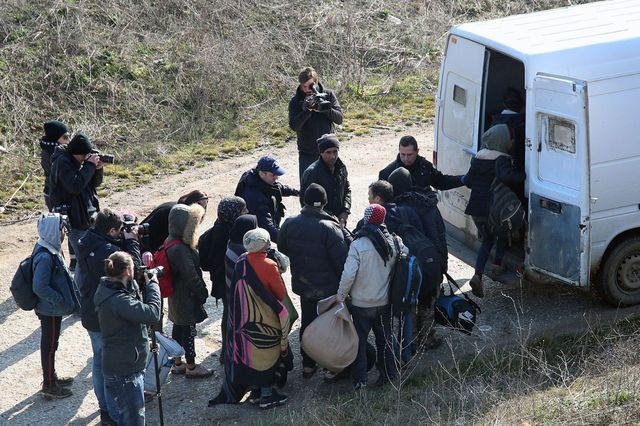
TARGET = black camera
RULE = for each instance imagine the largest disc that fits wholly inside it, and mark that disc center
(141, 271)
(105, 158)
(321, 102)
(130, 222)
(62, 209)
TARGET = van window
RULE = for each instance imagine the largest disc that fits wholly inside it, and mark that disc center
(459, 118)
(560, 134)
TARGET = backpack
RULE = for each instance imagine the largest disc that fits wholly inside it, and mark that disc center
(428, 256)
(455, 311)
(204, 247)
(406, 281)
(160, 259)
(22, 284)
(506, 214)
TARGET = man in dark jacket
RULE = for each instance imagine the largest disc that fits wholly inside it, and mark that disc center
(423, 174)
(260, 189)
(55, 134)
(100, 241)
(316, 246)
(75, 175)
(124, 312)
(330, 172)
(312, 116)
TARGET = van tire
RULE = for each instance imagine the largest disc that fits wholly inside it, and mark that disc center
(619, 277)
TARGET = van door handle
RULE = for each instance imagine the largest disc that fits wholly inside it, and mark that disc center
(469, 151)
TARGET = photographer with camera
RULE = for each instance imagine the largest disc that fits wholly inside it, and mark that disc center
(313, 111)
(75, 175)
(123, 313)
(107, 236)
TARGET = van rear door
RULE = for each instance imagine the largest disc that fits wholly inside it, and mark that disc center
(558, 176)
(458, 105)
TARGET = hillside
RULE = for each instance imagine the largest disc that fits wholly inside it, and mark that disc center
(168, 84)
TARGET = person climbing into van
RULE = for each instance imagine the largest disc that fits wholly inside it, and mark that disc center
(423, 174)
(493, 161)
(512, 116)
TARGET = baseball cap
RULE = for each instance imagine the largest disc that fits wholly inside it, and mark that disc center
(269, 164)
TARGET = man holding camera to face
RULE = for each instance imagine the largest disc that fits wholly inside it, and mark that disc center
(76, 172)
(313, 111)
(108, 235)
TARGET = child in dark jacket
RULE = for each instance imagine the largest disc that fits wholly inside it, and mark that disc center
(493, 161)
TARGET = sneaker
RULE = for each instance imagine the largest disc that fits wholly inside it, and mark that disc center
(359, 385)
(64, 381)
(198, 372)
(179, 368)
(477, 287)
(55, 392)
(308, 372)
(254, 396)
(331, 377)
(106, 420)
(273, 400)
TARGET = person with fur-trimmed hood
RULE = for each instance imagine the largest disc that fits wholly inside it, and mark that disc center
(189, 289)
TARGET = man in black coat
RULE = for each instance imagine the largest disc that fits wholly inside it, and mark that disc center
(312, 116)
(330, 172)
(97, 244)
(260, 189)
(56, 133)
(423, 174)
(317, 249)
(76, 172)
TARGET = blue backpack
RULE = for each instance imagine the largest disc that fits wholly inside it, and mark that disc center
(406, 282)
(455, 311)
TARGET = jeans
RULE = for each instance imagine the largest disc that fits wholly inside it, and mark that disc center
(50, 328)
(126, 395)
(488, 240)
(308, 314)
(96, 370)
(304, 161)
(377, 319)
(73, 237)
(405, 338)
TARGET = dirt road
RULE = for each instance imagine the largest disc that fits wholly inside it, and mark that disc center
(513, 312)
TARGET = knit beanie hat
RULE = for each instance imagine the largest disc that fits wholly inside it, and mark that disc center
(80, 144)
(401, 181)
(53, 129)
(256, 240)
(315, 196)
(230, 208)
(326, 141)
(374, 214)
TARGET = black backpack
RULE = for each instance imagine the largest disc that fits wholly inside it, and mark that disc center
(22, 285)
(406, 281)
(455, 311)
(204, 247)
(506, 214)
(429, 257)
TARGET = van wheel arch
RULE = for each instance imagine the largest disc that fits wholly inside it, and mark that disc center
(618, 278)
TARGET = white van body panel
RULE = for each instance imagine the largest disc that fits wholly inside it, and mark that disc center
(598, 46)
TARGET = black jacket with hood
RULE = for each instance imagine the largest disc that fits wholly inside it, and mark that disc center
(93, 248)
(423, 174)
(335, 184)
(74, 185)
(310, 125)
(317, 250)
(123, 314)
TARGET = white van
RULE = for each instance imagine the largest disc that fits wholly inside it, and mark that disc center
(578, 70)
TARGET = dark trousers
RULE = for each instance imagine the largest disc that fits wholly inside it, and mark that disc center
(50, 327)
(304, 161)
(223, 329)
(186, 336)
(309, 313)
(377, 319)
(488, 240)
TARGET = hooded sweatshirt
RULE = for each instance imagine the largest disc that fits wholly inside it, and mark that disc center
(123, 315)
(52, 283)
(189, 290)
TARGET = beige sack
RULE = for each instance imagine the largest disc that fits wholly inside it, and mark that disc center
(331, 339)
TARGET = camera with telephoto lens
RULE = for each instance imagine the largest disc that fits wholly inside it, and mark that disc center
(105, 158)
(318, 100)
(141, 271)
(130, 222)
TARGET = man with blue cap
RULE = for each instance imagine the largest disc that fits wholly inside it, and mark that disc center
(260, 189)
